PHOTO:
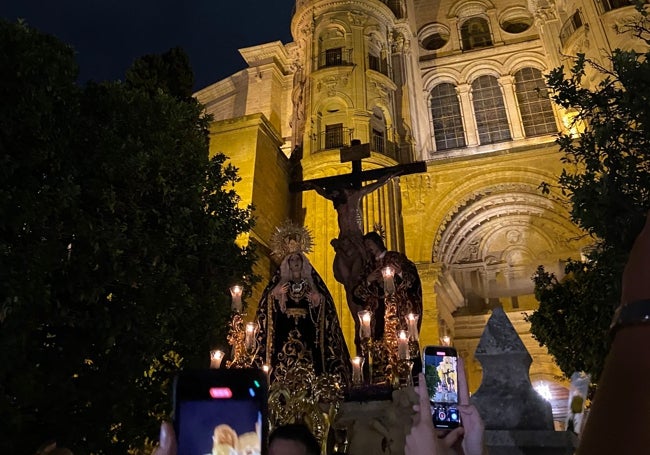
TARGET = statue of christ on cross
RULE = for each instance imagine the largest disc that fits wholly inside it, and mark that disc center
(346, 193)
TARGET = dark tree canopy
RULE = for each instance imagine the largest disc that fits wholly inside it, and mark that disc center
(117, 249)
(170, 73)
(607, 180)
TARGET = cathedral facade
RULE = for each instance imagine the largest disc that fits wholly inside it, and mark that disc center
(458, 84)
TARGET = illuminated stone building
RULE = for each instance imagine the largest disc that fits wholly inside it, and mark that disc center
(456, 83)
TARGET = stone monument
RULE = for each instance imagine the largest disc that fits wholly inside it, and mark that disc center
(518, 421)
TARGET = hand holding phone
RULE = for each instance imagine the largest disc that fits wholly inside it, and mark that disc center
(221, 412)
(440, 369)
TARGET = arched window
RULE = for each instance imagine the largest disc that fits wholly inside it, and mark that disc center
(446, 116)
(534, 103)
(475, 33)
(490, 111)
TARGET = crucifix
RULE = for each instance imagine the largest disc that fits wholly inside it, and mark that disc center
(346, 192)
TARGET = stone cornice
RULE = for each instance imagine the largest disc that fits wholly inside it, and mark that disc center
(267, 53)
(217, 90)
(308, 10)
(247, 121)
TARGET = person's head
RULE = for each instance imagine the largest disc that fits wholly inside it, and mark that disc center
(295, 263)
(374, 243)
(293, 439)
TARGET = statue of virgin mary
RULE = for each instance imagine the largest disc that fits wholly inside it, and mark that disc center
(297, 318)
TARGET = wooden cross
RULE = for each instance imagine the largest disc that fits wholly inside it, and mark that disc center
(355, 153)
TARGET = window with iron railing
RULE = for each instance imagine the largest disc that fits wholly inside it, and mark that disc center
(378, 64)
(378, 141)
(337, 56)
(608, 5)
(333, 135)
(570, 26)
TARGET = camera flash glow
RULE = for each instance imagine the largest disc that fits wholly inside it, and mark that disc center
(543, 389)
(220, 392)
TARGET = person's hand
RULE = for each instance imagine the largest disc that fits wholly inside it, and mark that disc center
(315, 298)
(167, 441)
(470, 436)
(374, 276)
(422, 438)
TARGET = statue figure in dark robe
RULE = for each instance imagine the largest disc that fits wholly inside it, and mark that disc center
(408, 288)
(298, 321)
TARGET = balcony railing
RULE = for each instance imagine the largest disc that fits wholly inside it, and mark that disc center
(378, 64)
(386, 147)
(571, 25)
(608, 5)
(334, 57)
(333, 138)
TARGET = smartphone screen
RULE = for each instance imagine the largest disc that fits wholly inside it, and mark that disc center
(221, 412)
(440, 372)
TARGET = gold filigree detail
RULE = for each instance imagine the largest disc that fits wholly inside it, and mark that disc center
(290, 238)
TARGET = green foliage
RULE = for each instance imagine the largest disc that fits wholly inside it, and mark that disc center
(117, 250)
(607, 180)
(607, 176)
(170, 73)
(575, 312)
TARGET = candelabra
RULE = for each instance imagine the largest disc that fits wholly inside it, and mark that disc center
(243, 339)
(391, 360)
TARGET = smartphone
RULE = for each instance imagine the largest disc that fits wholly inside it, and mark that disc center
(441, 374)
(221, 411)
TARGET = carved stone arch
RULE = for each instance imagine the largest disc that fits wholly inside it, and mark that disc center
(340, 99)
(517, 62)
(493, 239)
(446, 75)
(480, 213)
(376, 43)
(331, 34)
(463, 9)
(336, 26)
(376, 32)
(383, 109)
(470, 193)
(482, 68)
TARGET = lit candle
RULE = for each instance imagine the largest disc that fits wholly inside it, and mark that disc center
(251, 328)
(389, 285)
(236, 292)
(402, 345)
(266, 368)
(365, 317)
(446, 341)
(412, 324)
(357, 370)
(216, 356)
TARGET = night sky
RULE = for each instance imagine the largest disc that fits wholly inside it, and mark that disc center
(109, 34)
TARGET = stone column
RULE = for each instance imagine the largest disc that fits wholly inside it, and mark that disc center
(510, 99)
(467, 111)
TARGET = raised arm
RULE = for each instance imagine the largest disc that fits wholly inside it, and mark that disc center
(378, 183)
(319, 189)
